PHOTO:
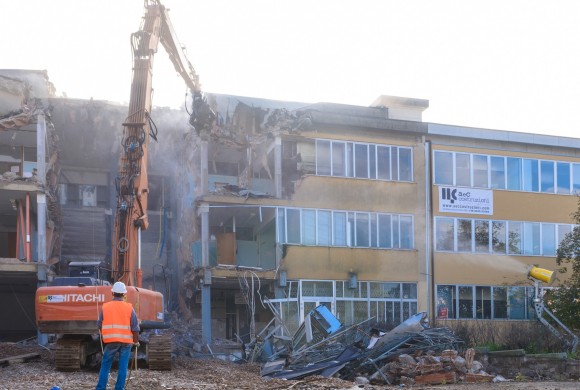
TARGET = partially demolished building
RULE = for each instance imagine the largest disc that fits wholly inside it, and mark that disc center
(281, 207)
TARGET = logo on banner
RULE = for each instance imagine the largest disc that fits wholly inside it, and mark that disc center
(449, 194)
(467, 201)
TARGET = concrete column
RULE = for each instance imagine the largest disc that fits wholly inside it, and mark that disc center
(41, 207)
(278, 167)
(203, 164)
(41, 197)
(206, 281)
(176, 273)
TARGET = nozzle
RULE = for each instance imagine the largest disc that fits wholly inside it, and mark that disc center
(541, 274)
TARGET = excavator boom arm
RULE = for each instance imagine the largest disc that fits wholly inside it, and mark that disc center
(132, 179)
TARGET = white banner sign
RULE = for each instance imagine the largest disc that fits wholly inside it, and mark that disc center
(465, 200)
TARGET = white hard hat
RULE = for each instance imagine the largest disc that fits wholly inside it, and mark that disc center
(119, 288)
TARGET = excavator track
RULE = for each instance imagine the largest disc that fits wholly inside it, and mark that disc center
(159, 352)
(70, 353)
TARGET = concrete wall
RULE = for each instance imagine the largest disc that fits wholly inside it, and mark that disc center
(520, 366)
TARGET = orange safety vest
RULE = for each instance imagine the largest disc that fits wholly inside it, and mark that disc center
(116, 327)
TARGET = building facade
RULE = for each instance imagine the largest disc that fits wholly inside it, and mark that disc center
(375, 214)
(502, 202)
(284, 206)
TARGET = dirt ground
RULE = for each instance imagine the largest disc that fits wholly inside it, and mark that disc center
(190, 373)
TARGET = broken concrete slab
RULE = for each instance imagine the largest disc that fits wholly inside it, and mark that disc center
(439, 378)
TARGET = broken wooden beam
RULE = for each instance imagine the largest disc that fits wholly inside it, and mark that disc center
(19, 359)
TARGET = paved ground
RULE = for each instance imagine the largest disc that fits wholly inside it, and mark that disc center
(191, 373)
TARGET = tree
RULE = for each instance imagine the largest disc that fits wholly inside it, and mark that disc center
(565, 301)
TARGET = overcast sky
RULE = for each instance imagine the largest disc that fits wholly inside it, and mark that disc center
(508, 64)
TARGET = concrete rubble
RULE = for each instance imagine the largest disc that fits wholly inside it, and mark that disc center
(411, 353)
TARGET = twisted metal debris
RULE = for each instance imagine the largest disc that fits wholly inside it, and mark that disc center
(358, 350)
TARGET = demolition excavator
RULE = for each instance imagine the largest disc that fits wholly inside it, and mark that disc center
(554, 325)
(71, 312)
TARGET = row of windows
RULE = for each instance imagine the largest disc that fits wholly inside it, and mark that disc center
(342, 228)
(485, 302)
(499, 237)
(389, 303)
(511, 173)
(365, 161)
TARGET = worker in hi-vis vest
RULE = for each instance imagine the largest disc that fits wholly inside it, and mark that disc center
(119, 328)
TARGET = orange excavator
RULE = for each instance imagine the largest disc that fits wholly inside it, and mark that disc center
(71, 311)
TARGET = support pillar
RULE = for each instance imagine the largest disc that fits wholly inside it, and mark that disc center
(278, 167)
(203, 164)
(41, 207)
(206, 282)
(28, 238)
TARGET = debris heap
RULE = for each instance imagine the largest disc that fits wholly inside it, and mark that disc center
(411, 353)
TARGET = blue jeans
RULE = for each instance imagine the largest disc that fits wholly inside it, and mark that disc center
(108, 356)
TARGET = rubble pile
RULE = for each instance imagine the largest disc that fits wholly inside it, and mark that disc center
(412, 353)
(425, 368)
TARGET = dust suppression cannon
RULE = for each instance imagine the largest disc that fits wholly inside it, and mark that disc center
(539, 275)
